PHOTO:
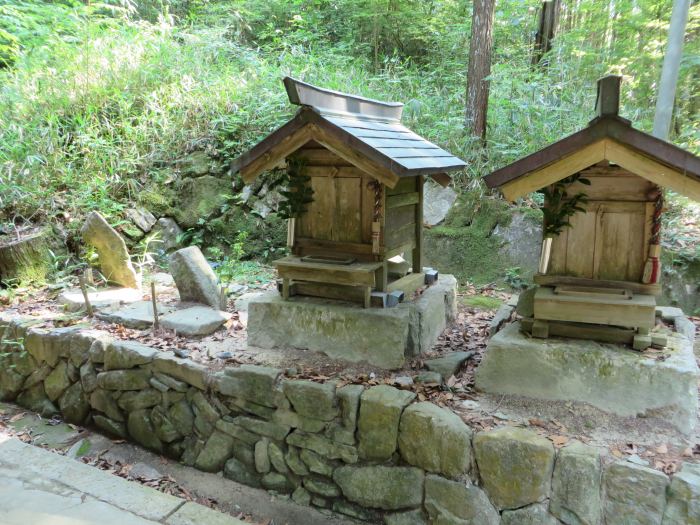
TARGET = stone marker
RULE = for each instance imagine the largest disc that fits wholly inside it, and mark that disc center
(634, 494)
(515, 465)
(195, 279)
(111, 249)
(198, 320)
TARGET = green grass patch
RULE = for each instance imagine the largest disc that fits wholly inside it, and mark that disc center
(483, 302)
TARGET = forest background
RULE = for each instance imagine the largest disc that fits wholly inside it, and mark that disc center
(104, 104)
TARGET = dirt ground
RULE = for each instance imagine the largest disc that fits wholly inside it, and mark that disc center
(646, 440)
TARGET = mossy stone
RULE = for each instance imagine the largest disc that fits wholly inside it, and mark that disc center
(383, 487)
(136, 400)
(378, 426)
(313, 400)
(535, 514)
(515, 465)
(457, 502)
(200, 198)
(74, 405)
(238, 471)
(216, 451)
(10, 382)
(141, 429)
(435, 439)
(57, 381)
(104, 401)
(35, 399)
(114, 428)
(576, 484)
(123, 379)
(634, 494)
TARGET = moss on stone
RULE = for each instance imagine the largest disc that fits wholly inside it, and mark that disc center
(463, 244)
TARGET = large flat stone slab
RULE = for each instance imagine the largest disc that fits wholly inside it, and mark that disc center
(73, 301)
(381, 337)
(138, 315)
(610, 377)
(198, 320)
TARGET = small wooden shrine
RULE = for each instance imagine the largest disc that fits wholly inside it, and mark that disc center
(364, 172)
(599, 269)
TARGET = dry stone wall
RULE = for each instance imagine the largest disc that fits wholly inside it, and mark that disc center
(371, 453)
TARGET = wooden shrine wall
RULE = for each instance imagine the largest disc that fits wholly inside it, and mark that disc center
(403, 204)
(611, 239)
(338, 221)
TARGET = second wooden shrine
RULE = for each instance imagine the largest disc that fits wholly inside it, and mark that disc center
(599, 273)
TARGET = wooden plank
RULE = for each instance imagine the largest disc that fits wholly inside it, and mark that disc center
(635, 287)
(272, 156)
(347, 224)
(404, 199)
(613, 187)
(405, 185)
(334, 142)
(334, 171)
(320, 157)
(319, 247)
(635, 312)
(443, 179)
(557, 257)
(651, 170)
(408, 284)
(320, 212)
(557, 170)
(637, 244)
(602, 333)
(367, 209)
(328, 291)
(580, 244)
(398, 217)
(619, 241)
(417, 255)
(358, 274)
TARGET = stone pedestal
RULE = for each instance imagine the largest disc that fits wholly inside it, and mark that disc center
(384, 337)
(610, 377)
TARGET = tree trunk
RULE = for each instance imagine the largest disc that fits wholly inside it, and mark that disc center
(24, 260)
(479, 67)
(546, 28)
(669, 72)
